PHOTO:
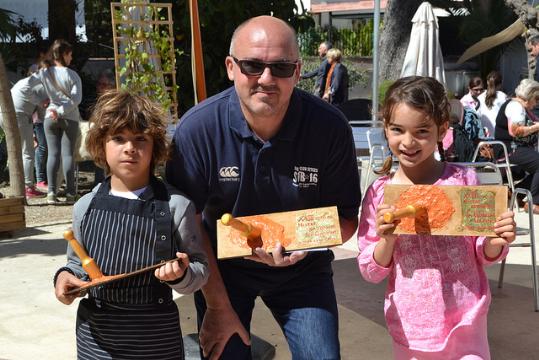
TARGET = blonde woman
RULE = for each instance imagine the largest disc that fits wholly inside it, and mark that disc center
(336, 91)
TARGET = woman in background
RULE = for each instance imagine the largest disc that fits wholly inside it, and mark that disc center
(491, 101)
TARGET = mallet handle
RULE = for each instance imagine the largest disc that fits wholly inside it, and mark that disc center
(407, 211)
(88, 264)
(247, 229)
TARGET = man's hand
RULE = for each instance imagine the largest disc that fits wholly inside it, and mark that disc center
(217, 328)
(65, 282)
(173, 270)
(277, 257)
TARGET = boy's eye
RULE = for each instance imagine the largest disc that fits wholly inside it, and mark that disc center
(116, 138)
(395, 129)
(140, 138)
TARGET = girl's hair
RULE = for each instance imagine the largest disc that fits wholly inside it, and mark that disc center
(117, 110)
(475, 82)
(494, 81)
(424, 94)
(57, 51)
(527, 89)
(334, 54)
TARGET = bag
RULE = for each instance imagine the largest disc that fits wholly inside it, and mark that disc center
(81, 153)
(457, 145)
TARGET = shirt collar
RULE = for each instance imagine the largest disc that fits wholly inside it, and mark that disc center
(288, 129)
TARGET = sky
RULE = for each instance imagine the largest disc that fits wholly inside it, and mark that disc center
(36, 10)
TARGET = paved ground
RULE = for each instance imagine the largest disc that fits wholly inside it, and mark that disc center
(33, 324)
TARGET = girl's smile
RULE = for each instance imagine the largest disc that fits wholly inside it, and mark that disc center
(413, 138)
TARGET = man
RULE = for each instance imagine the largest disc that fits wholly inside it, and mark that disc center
(321, 72)
(533, 42)
(259, 147)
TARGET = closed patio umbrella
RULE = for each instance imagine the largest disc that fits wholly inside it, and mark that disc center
(424, 54)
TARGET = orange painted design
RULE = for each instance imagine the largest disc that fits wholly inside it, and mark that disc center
(433, 208)
(271, 234)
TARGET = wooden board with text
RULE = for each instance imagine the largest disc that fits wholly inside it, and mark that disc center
(448, 209)
(295, 230)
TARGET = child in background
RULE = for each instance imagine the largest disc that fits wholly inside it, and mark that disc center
(438, 295)
(130, 221)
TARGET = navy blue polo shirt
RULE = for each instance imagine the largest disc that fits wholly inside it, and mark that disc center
(223, 167)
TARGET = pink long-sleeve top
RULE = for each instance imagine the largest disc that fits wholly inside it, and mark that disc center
(436, 283)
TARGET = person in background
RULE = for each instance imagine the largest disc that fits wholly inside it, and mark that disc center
(260, 147)
(336, 91)
(321, 71)
(475, 88)
(515, 126)
(28, 94)
(64, 89)
(490, 102)
(438, 295)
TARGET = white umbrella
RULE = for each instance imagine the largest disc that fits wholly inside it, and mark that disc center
(424, 54)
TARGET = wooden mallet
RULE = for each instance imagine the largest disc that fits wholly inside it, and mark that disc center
(407, 211)
(252, 233)
(88, 264)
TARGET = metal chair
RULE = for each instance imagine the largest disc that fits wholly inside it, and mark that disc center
(502, 163)
(489, 173)
(378, 152)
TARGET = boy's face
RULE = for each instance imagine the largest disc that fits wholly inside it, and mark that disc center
(129, 156)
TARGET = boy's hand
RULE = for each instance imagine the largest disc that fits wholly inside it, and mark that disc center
(505, 228)
(383, 229)
(65, 282)
(173, 270)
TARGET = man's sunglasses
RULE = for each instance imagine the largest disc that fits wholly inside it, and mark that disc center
(280, 69)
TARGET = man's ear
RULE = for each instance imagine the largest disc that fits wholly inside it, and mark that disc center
(229, 64)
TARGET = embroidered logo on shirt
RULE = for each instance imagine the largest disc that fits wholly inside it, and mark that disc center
(305, 176)
(229, 173)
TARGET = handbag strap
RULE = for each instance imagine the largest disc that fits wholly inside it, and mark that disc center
(56, 85)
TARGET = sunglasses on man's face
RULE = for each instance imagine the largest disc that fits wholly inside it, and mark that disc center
(280, 69)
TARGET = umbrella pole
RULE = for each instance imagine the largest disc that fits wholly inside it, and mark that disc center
(375, 61)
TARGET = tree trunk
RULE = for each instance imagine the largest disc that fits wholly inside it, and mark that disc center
(62, 20)
(395, 36)
(13, 139)
(528, 15)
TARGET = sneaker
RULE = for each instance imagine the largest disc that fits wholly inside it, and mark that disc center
(51, 199)
(31, 192)
(42, 185)
(70, 199)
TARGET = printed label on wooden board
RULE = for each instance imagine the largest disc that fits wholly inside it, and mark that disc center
(448, 209)
(295, 230)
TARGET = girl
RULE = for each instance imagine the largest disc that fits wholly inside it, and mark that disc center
(490, 102)
(475, 87)
(129, 221)
(433, 309)
(64, 89)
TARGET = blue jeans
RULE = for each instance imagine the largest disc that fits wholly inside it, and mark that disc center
(304, 307)
(40, 153)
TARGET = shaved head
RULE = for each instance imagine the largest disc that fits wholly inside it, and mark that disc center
(262, 26)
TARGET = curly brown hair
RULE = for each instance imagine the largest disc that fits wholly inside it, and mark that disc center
(424, 94)
(117, 110)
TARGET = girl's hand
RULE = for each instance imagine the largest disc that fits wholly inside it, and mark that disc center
(173, 270)
(383, 229)
(65, 282)
(505, 228)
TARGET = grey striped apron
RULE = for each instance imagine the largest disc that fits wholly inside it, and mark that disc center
(133, 318)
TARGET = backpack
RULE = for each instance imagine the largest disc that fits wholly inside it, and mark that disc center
(457, 144)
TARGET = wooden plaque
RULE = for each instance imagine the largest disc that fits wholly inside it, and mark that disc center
(295, 230)
(448, 209)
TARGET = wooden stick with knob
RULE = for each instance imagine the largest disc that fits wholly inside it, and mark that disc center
(407, 211)
(88, 264)
(247, 230)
